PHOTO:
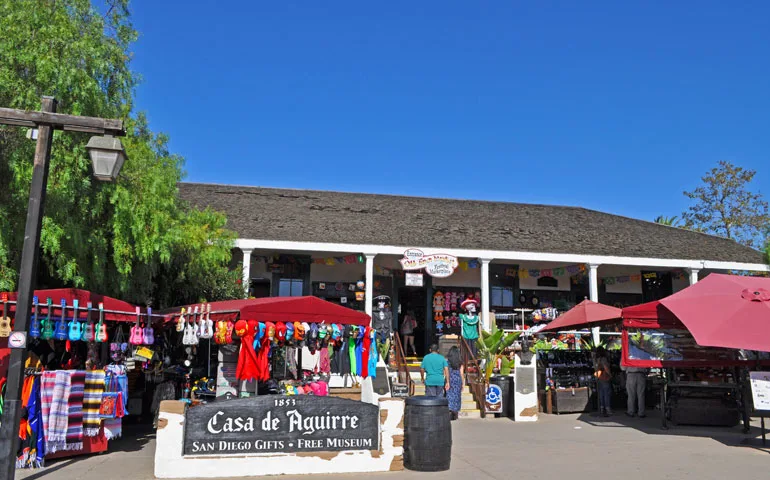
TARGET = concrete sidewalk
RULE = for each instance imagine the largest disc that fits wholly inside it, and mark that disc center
(583, 447)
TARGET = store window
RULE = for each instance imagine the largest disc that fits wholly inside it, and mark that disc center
(290, 287)
(501, 297)
(656, 285)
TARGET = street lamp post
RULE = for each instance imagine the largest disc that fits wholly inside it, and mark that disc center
(46, 121)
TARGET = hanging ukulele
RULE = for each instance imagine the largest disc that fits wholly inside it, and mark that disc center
(180, 322)
(201, 323)
(148, 334)
(208, 325)
(47, 333)
(75, 327)
(60, 332)
(34, 328)
(136, 331)
(5, 321)
(190, 338)
(88, 326)
(101, 328)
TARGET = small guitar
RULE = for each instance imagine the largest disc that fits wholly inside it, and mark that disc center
(75, 327)
(101, 328)
(190, 338)
(201, 323)
(34, 328)
(88, 327)
(136, 331)
(208, 325)
(148, 334)
(5, 321)
(47, 322)
(180, 322)
(60, 332)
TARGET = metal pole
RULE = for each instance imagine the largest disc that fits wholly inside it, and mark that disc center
(9, 430)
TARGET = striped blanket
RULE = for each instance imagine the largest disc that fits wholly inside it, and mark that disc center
(56, 391)
(75, 410)
(92, 400)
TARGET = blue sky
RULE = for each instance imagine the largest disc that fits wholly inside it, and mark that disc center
(601, 104)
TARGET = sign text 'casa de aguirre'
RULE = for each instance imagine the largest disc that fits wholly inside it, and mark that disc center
(281, 424)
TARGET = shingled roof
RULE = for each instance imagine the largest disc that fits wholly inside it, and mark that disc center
(335, 217)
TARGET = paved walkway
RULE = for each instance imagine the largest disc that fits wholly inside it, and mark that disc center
(577, 447)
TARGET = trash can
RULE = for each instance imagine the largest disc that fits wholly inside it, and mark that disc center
(510, 402)
(504, 382)
(427, 434)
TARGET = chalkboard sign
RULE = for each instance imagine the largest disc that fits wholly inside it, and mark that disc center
(303, 423)
(400, 390)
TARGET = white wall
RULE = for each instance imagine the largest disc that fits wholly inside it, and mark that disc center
(617, 271)
(337, 273)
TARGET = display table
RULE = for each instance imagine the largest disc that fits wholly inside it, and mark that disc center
(91, 445)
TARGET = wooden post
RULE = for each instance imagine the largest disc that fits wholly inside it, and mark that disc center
(9, 436)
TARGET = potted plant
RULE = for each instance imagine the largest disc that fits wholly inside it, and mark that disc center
(491, 348)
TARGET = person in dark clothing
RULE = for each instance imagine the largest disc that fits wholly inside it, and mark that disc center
(456, 375)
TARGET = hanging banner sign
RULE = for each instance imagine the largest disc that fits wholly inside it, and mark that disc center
(436, 265)
(272, 423)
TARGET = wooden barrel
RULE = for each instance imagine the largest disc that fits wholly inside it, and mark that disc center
(427, 434)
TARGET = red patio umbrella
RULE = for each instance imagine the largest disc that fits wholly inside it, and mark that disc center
(725, 311)
(586, 314)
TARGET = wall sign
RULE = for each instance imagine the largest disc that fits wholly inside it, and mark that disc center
(413, 280)
(494, 399)
(281, 424)
(436, 265)
(760, 390)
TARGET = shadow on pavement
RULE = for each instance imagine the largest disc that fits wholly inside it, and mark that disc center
(652, 425)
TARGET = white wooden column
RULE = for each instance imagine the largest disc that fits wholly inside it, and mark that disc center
(369, 283)
(693, 275)
(485, 294)
(593, 294)
(246, 268)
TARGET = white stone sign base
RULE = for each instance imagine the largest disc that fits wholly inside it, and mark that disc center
(169, 462)
(526, 403)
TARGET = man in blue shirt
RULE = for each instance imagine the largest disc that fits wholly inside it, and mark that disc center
(434, 372)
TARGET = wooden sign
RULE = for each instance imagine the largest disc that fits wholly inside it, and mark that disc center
(400, 390)
(265, 424)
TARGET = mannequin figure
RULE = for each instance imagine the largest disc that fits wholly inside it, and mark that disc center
(470, 322)
(382, 322)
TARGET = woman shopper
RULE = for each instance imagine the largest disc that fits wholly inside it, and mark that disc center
(456, 375)
(407, 332)
(603, 379)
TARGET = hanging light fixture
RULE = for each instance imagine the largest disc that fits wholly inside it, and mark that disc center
(107, 156)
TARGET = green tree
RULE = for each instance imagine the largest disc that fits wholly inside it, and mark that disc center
(133, 239)
(724, 205)
(670, 221)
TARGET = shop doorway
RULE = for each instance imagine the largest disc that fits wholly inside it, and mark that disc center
(413, 300)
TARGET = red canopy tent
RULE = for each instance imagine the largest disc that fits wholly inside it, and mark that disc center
(586, 314)
(654, 337)
(113, 307)
(281, 309)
